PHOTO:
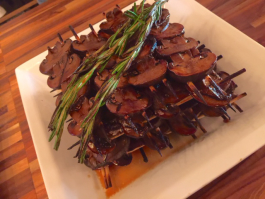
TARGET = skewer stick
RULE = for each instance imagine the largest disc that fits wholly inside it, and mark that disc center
(127, 117)
(225, 113)
(196, 91)
(233, 75)
(75, 144)
(238, 97)
(60, 38)
(58, 94)
(50, 50)
(143, 154)
(168, 85)
(105, 173)
(71, 119)
(198, 121)
(219, 57)
(93, 30)
(118, 7)
(215, 85)
(74, 33)
(237, 107)
(230, 106)
(194, 136)
(201, 47)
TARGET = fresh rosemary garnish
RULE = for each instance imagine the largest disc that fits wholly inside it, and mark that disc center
(139, 24)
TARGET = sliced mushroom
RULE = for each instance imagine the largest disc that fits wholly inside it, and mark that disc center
(173, 30)
(72, 64)
(88, 43)
(176, 45)
(54, 81)
(54, 56)
(127, 101)
(186, 68)
(150, 72)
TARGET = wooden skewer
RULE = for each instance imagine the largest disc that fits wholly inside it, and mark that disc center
(230, 106)
(127, 117)
(201, 47)
(233, 75)
(196, 91)
(50, 50)
(75, 144)
(168, 85)
(58, 94)
(217, 88)
(198, 121)
(237, 107)
(143, 154)
(238, 97)
(219, 57)
(74, 33)
(194, 136)
(71, 119)
(106, 174)
(118, 6)
(184, 101)
(60, 38)
(93, 30)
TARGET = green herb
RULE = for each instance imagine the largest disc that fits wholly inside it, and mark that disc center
(140, 23)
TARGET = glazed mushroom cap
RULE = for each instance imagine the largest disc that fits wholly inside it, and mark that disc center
(176, 45)
(185, 68)
(126, 101)
(173, 30)
(54, 55)
(150, 72)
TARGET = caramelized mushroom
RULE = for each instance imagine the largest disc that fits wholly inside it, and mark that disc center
(146, 67)
(88, 43)
(173, 30)
(176, 45)
(127, 101)
(186, 68)
(54, 55)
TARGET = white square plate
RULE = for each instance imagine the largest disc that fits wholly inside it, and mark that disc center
(182, 173)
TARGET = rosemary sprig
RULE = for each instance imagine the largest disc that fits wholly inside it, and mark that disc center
(140, 23)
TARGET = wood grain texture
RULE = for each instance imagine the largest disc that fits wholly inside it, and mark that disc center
(28, 35)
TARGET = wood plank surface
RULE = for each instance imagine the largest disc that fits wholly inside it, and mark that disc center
(29, 34)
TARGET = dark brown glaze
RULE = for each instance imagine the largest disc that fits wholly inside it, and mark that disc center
(54, 55)
(54, 80)
(127, 101)
(176, 45)
(173, 30)
(147, 67)
(185, 68)
(88, 43)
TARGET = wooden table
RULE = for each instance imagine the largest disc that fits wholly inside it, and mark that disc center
(31, 33)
